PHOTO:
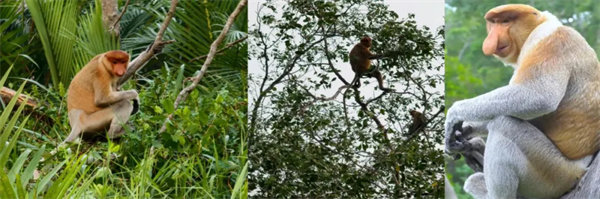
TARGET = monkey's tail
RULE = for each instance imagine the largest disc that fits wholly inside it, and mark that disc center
(136, 106)
(356, 78)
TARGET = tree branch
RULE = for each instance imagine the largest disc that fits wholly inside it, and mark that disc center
(153, 49)
(315, 98)
(211, 54)
(112, 27)
(229, 45)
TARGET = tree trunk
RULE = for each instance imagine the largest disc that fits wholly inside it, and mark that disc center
(589, 185)
(6, 94)
(109, 16)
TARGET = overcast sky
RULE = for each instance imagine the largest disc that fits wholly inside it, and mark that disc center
(428, 13)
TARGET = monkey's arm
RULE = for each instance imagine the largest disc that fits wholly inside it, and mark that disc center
(531, 97)
(379, 56)
(104, 95)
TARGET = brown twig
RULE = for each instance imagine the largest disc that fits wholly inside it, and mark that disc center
(112, 27)
(153, 49)
(315, 98)
(211, 54)
(229, 45)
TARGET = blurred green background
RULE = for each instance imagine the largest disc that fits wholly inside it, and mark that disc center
(469, 73)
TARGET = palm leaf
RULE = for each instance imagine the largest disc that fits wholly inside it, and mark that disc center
(56, 22)
(92, 38)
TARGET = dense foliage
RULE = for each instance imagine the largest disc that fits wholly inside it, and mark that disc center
(469, 73)
(202, 154)
(357, 144)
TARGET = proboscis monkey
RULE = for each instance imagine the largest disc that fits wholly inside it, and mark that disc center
(93, 101)
(418, 121)
(544, 126)
(360, 60)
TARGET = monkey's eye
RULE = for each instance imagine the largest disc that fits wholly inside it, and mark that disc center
(505, 20)
(114, 62)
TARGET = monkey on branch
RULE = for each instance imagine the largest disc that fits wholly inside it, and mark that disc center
(93, 100)
(360, 60)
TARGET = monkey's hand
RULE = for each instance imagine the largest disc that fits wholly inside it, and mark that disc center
(453, 129)
(473, 154)
(131, 94)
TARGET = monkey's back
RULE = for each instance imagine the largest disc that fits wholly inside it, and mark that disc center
(359, 59)
(80, 94)
(575, 126)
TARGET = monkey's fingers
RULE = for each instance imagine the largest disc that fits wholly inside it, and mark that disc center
(474, 160)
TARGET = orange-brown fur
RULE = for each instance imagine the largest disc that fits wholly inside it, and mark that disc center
(360, 56)
(81, 93)
(93, 101)
(575, 126)
(418, 121)
(360, 60)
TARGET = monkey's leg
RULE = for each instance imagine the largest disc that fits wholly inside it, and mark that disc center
(355, 81)
(519, 156)
(81, 122)
(122, 110)
(75, 123)
(379, 78)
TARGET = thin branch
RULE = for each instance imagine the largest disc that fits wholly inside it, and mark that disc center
(287, 69)
(153, 49)
(211, 55)
(315, 98)
(229, 45)
(112, 27)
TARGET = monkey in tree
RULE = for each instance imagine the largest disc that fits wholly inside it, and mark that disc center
(360, 60)
(93, 100)
(418, 122)
(543, 127)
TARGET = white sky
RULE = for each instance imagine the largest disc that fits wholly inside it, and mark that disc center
(428, 13)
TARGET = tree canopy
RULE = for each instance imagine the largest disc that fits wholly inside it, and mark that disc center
(311, 135)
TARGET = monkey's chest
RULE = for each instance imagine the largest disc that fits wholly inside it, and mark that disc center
(82, 99)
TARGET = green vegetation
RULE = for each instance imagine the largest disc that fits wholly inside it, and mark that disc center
(469, 73)
(202, 153)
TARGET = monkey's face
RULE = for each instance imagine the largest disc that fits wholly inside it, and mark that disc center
(508, 27)
(366, 41)
(117, 62)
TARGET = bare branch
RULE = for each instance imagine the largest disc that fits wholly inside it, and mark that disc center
(229, 45)
(153, 49)
(315, 98)
(112, 27)
(211, 55)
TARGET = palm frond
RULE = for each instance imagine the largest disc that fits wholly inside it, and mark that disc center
(92, 38)
(56, 23)
(196, 26)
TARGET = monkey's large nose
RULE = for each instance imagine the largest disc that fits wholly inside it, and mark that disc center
(119, 72)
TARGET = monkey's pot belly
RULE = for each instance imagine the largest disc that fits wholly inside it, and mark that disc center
(573, 128)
